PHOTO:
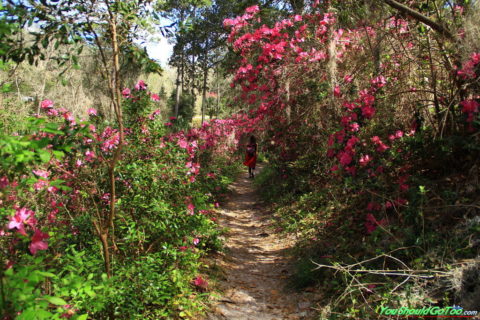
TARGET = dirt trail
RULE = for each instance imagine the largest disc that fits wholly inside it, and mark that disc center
(255, 266)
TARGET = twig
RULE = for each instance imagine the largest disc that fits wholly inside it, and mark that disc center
(398, 272)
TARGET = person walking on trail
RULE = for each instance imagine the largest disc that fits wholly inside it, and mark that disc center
(251, 157)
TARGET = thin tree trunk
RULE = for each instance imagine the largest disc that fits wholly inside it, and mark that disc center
(108, 228)
(182, 80)
(332, 67)
(204, 91)
(288, 108)
(192, 89)
(177, 97)
(433, 83)
(218, 94)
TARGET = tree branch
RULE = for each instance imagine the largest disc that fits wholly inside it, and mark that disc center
(420, 17)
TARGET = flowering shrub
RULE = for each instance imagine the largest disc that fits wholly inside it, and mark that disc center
(359, 124)
(54, 192)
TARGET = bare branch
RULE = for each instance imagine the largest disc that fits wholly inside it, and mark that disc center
(420, 17)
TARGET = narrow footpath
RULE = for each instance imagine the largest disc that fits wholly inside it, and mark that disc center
(255, 267)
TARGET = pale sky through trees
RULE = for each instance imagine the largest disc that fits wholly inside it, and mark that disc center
(160, 50)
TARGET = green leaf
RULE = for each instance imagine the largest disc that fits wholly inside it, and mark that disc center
(54, 131)
(7, 87)
(89, 291)
(44, 156)
(43, 314)
(55, 300)
(83, 317)
(46, 274)
(58, 154)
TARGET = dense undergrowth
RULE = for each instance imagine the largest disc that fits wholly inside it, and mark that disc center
(55, 196)
(372, 143)
(435, 233)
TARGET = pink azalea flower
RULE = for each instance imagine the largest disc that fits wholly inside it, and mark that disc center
(200, 282)
(345, 158)
(9, 264)
(196, 241)
(155, 97)
(379, 81)
(368, 111)
(38, 242)
(336, 91)
(126, 93)
(183, 144)
(154, 114)
(4, 182)
(469, 106)
(89, 155)
(17, 221)
(52, 189)
(364, 160)
(168, 124)
(191, 209)
(371, 223)
(382, 147)
(253, 9)
(211, 175)
(475, 58)
(352, 170)
(68, 116)
(46, 104)
(40, 184)
(41, 173)
(52, 112)
(354, 127)
(92, 112)
(140, 85)
(347, 78)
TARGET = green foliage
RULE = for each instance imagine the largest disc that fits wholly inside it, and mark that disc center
(186, 109)
(159, 241)
(26, 298)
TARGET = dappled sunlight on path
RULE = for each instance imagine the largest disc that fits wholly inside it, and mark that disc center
(256, 265)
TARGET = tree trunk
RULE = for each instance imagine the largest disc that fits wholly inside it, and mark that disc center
(177, 96)
(288, 107)
(332, 67)
(218, 94)
(204, 91)
(115, 88)
(192, 88)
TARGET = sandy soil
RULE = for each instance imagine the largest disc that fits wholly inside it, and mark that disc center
(256, 266)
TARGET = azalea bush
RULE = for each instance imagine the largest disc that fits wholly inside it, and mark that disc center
(55, 193)
(360, 124)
